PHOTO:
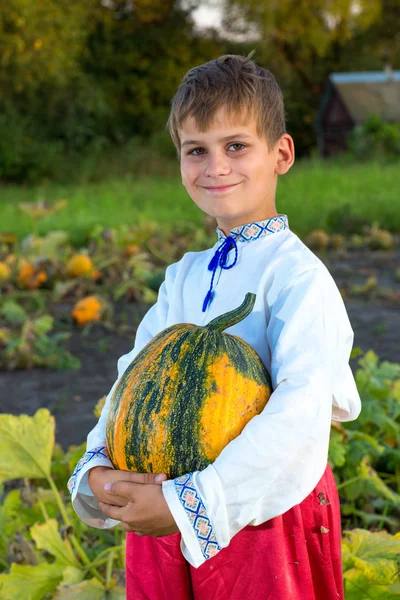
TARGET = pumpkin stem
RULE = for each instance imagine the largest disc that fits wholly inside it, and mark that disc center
(233, 316)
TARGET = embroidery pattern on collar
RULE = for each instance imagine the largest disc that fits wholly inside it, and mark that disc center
(256, 230)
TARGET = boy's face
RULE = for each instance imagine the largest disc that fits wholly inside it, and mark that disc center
(233, 180)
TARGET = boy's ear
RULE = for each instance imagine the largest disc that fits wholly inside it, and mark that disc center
(285, 154)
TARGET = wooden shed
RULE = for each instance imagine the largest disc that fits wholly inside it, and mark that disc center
(349, 99)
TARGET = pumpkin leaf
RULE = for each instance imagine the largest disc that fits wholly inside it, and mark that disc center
(25, 582)
(26, 445)
(47, 537)
(89, 590)
(374, 555)
(43, 324)
(14, 515)
(374, 484)
(396, 390)
(13, 313)
(72, 576)
(99, 406)
(337, 449)
(358, 587)
(117, 593)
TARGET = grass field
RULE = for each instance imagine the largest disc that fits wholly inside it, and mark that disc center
(307, 194)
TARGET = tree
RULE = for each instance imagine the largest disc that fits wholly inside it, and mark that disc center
(40, 42)
(302, 42)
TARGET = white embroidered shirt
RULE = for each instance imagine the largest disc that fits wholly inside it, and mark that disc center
(300, 328)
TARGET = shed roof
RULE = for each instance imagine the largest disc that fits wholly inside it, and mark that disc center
(369, 92)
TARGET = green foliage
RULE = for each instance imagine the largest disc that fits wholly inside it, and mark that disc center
(25, 153)
(26, 342)
(46, 551)
(27, 444)
(375, 139)
(40, 42)
(364, 452)
(371, 564)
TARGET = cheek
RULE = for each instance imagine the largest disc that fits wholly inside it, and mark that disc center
(262, 172)
(189, 174)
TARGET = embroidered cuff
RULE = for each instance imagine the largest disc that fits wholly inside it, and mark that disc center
(99, 452)
(197, 515)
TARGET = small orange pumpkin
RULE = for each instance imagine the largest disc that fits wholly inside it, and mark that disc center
(131, 250)
(78, 265)
(5, 272)
(31, 278)
(87, 309)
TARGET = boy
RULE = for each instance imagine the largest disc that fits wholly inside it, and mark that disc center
(262, 521)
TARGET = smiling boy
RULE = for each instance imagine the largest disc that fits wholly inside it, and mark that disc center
(263, 520)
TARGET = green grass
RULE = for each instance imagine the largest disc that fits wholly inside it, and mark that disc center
(307, 194)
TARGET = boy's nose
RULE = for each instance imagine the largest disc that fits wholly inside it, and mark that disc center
(217, 166)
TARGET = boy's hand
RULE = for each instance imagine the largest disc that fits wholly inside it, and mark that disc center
(99, 476)
(145, 512)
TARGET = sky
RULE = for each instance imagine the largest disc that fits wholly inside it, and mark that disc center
(209, 14)
(205, 16)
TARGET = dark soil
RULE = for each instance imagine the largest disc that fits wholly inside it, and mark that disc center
(71, 395)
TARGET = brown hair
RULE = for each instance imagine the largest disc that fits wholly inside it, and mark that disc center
(236, 82)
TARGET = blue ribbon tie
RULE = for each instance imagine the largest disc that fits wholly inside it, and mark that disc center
(219, 260)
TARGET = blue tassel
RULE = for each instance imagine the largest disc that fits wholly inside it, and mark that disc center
(220, 257)
(207, 299)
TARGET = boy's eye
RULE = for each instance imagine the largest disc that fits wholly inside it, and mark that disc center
(238, 144)
(230, 145)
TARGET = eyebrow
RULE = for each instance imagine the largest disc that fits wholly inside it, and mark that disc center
(225, 139)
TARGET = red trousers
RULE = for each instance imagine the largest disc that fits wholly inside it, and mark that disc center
(295, 556)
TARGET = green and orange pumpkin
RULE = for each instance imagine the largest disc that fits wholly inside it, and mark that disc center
(185, 396)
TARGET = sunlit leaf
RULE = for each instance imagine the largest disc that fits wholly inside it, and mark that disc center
(43, 324)
(358, 587)
(337, 449)
(47, 537)
(373, 483)
(26, 445)
(364, 550)
(72, 576)
(89, 590)
(117, 593)
(99, 406)
(25, 582)
(12, 312)
(14, 515)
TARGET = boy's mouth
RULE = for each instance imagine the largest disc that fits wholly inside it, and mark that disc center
(220, 188)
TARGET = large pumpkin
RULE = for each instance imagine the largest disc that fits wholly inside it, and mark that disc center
(185, 396)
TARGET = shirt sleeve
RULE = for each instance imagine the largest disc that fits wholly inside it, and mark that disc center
(281, 454)
(84, 502)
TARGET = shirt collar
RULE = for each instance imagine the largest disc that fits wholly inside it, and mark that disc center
(256, 230)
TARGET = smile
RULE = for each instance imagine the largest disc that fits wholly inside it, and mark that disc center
(220, 189)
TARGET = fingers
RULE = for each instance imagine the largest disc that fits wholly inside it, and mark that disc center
(123, 489)
(111, 511)
(114, 512)
(145, 478)
(107, 499)
(128, 528)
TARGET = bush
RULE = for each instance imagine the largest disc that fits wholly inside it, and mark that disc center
(375, 138)
(24, 154)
